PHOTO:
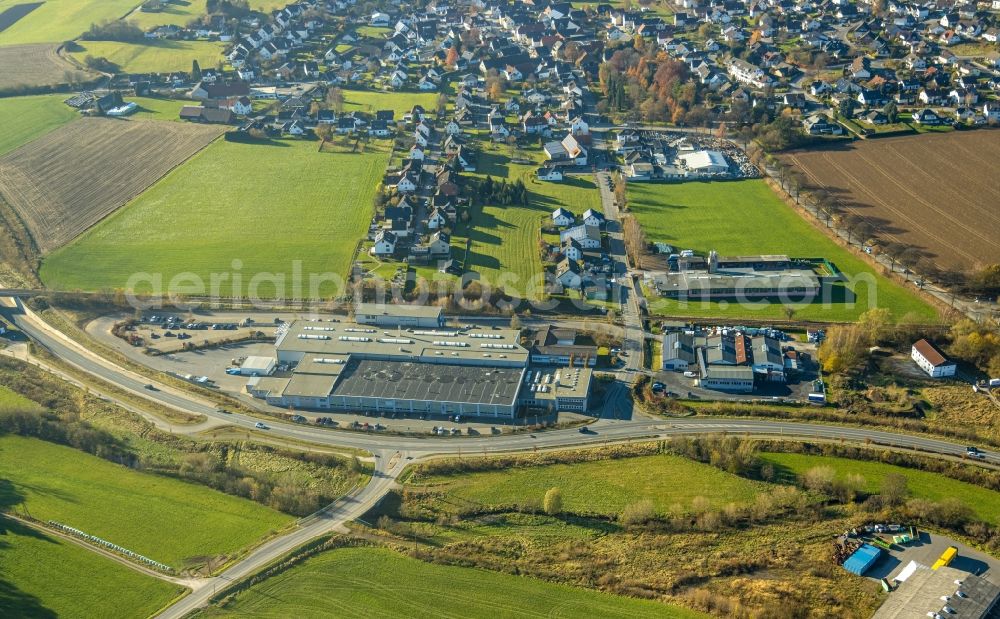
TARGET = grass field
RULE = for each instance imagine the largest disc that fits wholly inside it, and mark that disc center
(164, 519)
(173, 14)
(922, 484)
(367, 582)
(400, 102)
(44, 576)
(70, 179)
(746, 217)
(505, 239)
(281, 202)
(604, 486)
(155, 56)
(26, 118)
(10, 401)
(56, 21)
(153, 108)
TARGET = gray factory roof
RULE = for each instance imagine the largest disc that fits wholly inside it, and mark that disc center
(429, 382)
(751, 281)
(921, 594)
(309, 385)
(571, 383)
(678, 346)
(482, 344)
(388, 309)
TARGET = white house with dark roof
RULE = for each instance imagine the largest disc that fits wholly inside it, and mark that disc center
(593, 218)
(563, 217)
(385, 244)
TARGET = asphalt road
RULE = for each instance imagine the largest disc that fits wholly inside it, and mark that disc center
(608, 428)
(392, 453)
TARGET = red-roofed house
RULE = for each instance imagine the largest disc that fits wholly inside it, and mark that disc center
(931, 360)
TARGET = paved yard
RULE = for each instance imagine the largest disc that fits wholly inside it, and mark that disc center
(926, 550)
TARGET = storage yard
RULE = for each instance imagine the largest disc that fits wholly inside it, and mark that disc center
(925, 574)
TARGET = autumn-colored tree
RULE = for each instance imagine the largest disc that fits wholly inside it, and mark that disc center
(451, 58)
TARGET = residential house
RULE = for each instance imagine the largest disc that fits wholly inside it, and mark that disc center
(385, 244)
(549, 173)
(927, 116)
(563, 217)
(593, 218)
(440, 244)
(588, 236)
(569, 274)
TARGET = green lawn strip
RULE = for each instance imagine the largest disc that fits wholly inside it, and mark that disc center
(922, 484)
(164, 519)
(604, 486)
(154, 56)
(25, 118)
(366, 582)
(400, 102)
(45, 576)
(266, 205)
(745, 217)
(155, 108)
(56, 21)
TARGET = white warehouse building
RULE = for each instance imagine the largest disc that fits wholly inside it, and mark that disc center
(705, 162)
(472, 371)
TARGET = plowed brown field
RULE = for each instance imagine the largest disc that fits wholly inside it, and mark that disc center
(940, 193)
(68, 180)
(36, 65)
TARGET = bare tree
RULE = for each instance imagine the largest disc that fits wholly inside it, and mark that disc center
(335, 99)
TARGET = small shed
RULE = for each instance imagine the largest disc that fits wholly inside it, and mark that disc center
(258, 366)
(862, 559)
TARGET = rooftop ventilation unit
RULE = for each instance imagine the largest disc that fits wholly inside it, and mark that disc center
(308, 336)
(351, 338)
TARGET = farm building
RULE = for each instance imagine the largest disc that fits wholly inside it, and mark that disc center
(472, 371)
(862, 559)
(932, 360)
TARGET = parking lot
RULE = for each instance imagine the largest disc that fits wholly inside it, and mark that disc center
(926, 550)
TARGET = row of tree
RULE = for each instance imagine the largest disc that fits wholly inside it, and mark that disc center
(829, 209)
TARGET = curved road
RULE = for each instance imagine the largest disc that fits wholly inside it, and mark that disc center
(393, 453)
